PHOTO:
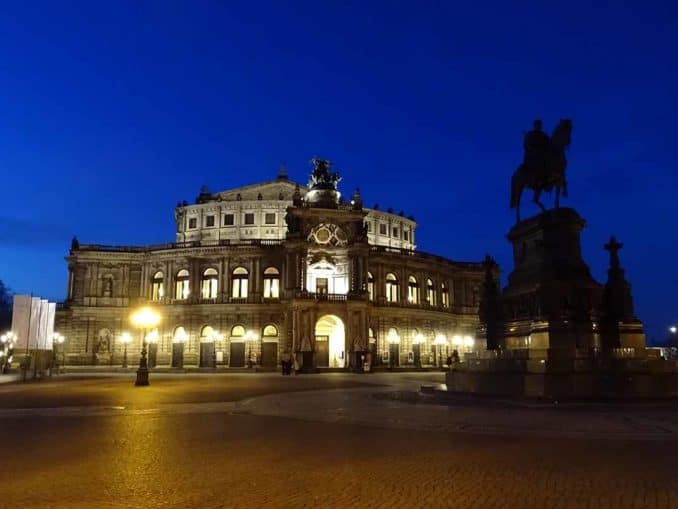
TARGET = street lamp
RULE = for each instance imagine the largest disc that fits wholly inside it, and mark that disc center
(440, 340)
(393, 340)
(469, 342)
(250, 337)
(125, 339)
(144, 318)
(417, 341)
(673, 329)
(57, 341)
(6, 349)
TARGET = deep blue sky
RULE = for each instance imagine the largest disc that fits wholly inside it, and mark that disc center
(112, 112)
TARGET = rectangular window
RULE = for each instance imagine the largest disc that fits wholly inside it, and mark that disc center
(229, 220)
(321, 285)
(369, 227)
(240, 288)
(382, 229)
(269, 218)
(406, 235)
(431, 296)
(182, 290)
(445, 297)
(157, 290)
(210, 221)
(272, 288)
(249, 218)
(391, 291)
(193, 222)
(395, 232)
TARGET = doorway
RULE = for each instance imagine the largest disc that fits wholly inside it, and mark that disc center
(208, 358)
(269, 354)
(177, 355)
(330, 342)
(237, 354)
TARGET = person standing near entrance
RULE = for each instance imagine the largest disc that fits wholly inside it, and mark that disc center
(286, 363)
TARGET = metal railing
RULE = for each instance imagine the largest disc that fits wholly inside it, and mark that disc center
(182, 245)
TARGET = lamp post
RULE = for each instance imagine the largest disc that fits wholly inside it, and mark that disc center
(144, 318)
(125, 339)
(417, 341)
(393, 339)
(57, 341)
(6, 350)
(469, 342)
(440, 340)
(249, 337)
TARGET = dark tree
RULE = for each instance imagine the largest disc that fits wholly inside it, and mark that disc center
(5, 307)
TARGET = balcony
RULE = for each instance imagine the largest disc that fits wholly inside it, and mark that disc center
(319, 297)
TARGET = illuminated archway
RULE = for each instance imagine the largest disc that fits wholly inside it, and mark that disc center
(330, 342)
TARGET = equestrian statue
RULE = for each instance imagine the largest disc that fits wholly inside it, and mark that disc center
(543, 166)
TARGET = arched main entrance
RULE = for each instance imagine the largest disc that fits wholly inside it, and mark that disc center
(330, 342)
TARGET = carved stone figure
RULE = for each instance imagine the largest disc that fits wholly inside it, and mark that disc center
(322, 177)
(543, 166)
(293, 224)
(104, 341)
(179, 214)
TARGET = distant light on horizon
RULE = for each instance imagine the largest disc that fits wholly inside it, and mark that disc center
(673, 329)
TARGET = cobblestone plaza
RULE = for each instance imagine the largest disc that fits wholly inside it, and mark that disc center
(335, 440)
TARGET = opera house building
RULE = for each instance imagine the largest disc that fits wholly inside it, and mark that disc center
(269, 271)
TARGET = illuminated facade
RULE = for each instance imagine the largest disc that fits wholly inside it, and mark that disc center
(269, 269)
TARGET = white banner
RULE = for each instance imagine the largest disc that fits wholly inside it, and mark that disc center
(42, 325)
(50, 326)
(34, 325)
(21, 313)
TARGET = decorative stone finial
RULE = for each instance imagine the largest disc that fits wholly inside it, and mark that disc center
(357, 200)
(613, 247)
(296, 197)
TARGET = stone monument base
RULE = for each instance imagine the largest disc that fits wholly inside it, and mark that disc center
(583, 378)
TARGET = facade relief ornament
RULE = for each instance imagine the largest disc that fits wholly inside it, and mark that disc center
(328, 235)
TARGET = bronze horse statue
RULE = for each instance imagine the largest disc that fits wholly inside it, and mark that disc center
(543, 167)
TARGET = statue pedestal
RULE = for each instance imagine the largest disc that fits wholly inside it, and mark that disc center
(551, 299)
(555, 337)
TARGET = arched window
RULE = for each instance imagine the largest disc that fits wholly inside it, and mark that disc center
(417, 337)
(370, 286)
(271, 283)
(392, 293)
(445, 295)
(158, 286)
(180, 335)
(239, 283)
(392, 336)
(209, 284)
(237, 331)
(207, 334)
(270, 331)
(412, 290)
(430, 293)
(181, 286)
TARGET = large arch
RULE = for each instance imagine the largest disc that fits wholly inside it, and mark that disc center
(330, 342)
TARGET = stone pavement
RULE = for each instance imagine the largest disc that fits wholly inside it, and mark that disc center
(342, 445)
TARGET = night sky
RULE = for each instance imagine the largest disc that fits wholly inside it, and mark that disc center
(113, 112)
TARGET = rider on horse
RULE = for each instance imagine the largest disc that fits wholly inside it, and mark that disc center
(536, 144)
